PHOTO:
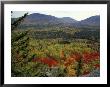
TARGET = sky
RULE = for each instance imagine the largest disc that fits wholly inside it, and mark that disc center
(77, 15)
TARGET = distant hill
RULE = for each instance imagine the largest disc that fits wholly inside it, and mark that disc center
(48, 20)
(68, 20)
(37, 20)
(91, 21)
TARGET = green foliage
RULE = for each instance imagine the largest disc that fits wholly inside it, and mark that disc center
(19, 47)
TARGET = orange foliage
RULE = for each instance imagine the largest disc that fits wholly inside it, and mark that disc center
(76, 56)
(62, 55)
(69, 61)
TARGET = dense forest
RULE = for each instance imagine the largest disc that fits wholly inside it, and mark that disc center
(54, 50)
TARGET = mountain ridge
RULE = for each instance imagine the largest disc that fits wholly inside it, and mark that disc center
(38, 19)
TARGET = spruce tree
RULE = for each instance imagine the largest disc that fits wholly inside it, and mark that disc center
(19, 46)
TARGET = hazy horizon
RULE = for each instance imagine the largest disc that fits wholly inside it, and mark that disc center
(77, 15)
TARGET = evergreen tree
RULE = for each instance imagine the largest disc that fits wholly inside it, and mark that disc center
(17, 22)
(19, 47)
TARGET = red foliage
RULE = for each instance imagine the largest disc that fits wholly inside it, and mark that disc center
(76, 56)
(87, 57)
(97, 65)
(86, 72)
(49, 61)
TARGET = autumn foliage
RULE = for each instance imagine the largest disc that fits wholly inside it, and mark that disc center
(68, 62)
(50, 62)
(88, 57)
(53, 51)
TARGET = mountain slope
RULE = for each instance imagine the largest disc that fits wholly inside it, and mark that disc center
(42, 20)
(37, 20)
(92, 21)
(68, 20)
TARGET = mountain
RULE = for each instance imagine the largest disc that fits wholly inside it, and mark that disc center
(94, 21)
(37, 20)
(68, 20)
(41, 20)
(91, 22)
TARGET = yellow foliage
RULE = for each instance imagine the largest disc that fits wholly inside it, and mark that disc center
(71, 71)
